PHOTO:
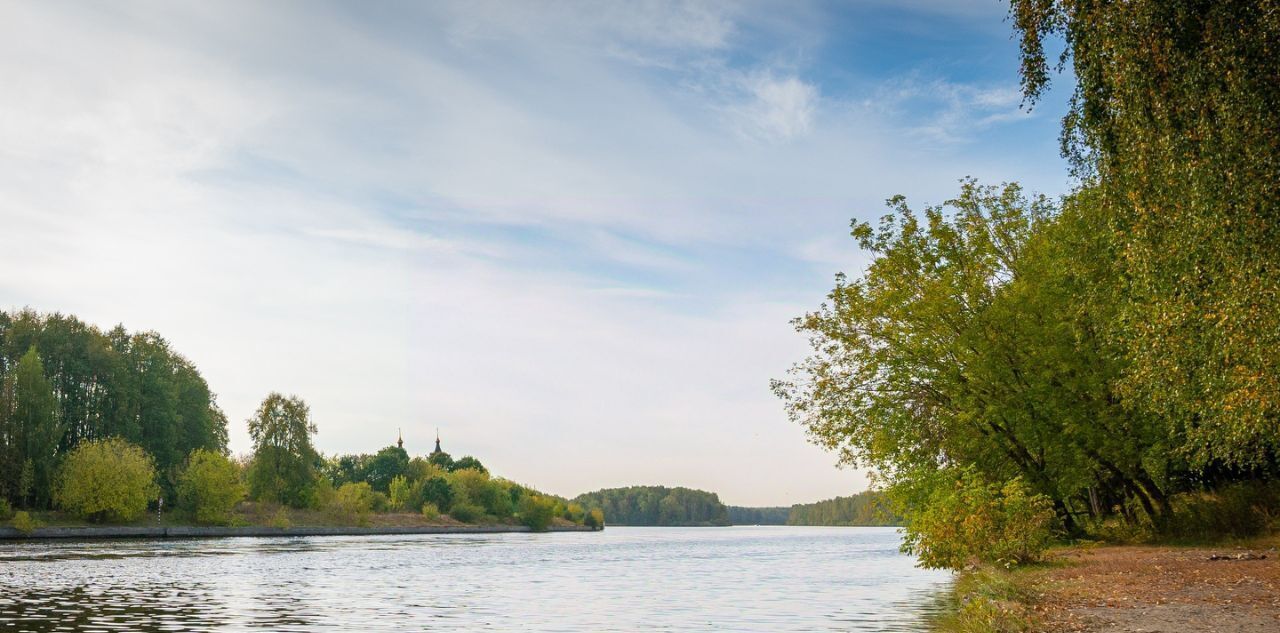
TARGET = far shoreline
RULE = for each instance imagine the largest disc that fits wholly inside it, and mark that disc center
(195, 531)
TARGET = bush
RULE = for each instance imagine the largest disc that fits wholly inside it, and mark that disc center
(210, 487)
(594, 519)
(352, 503)
(466, 512)
(107, 479)
(6, 510)
(400, 493)
(975, 521)
(430, 512)
(1239, 510)
(280, 519)
(23, 522)
(536, 511)
(574, 512)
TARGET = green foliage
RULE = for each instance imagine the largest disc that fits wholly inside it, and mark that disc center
(386, 465)
(107, 479)
(476, 487)
(430, 512)
(441, 459)
(976, 521)
(401, 493)
(1174, 124)
(739, 515)
(1240, 510)
(468, 462)
(573, 512)
(536, 511)
(466, 512)
(23, 522)
(209, 487)
(864, 509)
(594, 519)
(439, 492)
(283, 469)
(6, 510)
(987, 600)
(63, 382)
(352, 503)
(657, 505)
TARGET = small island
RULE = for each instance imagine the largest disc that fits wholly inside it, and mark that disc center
(115, 434)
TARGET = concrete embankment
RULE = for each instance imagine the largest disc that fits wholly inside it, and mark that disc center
(106, 532)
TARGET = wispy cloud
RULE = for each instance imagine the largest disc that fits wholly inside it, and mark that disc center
(550, 228)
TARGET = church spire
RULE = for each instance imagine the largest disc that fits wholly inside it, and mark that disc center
(399, 439)
(438, 440)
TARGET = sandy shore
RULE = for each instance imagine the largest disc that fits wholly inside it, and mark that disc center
(1156, 589)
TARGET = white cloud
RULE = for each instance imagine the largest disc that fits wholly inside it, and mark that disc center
(529, 225)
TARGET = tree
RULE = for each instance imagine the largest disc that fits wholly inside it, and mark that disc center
(1174, 123)
(35, 418)
(352, 503)
(441, 459)
(107, 480)
(387, 464)
(468, 462)
(401, 493)
(209, 487)
(537, 511)
(438, 492)
(284, 460)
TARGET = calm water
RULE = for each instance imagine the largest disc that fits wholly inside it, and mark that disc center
(622, 579)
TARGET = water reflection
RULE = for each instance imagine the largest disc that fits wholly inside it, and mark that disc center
(622, 579)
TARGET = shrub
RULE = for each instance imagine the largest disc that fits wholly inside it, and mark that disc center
(466, 512)
(209, 487)
(352, 503)
(400, 493)
(972, 520)
(5, 509)
(594, 519)
(536, 511)
(430, 512)
(23, 522)
(1239, 510)
(574, 512)
(107, 479)
(280, 519)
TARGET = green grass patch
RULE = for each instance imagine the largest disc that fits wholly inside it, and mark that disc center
(989, 600)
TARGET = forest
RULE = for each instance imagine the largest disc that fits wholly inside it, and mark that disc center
(1017, 369)
(657, 505)
(101, 426)
(869, 508)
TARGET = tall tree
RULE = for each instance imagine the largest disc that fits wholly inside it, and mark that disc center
(35, 416)
(284, 459)
(1176, 118)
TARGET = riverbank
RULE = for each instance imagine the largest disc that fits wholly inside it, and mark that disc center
(1150, 588)
(194, 531)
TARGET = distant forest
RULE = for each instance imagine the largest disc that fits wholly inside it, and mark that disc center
(657, 506)
(862, 509)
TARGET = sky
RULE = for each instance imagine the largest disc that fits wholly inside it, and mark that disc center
(568, 235)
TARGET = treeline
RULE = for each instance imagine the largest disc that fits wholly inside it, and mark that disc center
(104, 425)
(657, 505)
(1106, 364)
(863, 509)
(740, 515)
(63, 382)
(868, 508)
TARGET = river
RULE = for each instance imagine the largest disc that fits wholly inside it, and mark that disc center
(621, 579)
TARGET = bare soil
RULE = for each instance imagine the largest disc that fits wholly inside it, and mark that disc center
(1156, 589)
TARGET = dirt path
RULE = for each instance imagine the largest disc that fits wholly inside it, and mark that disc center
(1162, 590)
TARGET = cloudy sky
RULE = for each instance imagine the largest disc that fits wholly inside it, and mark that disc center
(568, 234)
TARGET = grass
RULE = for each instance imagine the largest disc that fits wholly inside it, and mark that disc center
(992, 600)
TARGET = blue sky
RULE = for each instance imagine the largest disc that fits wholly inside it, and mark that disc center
(569, 234)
